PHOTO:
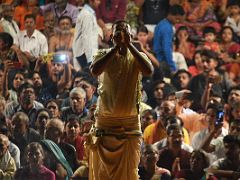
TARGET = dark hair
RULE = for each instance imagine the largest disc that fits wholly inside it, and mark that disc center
(209, 54)
(151, 112)
(30, 16)
(6, 38)
(233, 3)
(176, 10)
(173, 127)
(65, 17)
(209, 29)
(73, 117)
(232, 139)
(142, 28)
(33, 146)
(173, 120)
(53, 100)
(231, 29)
(119, 22)
(25, 86)
(42, 110)
(215, 106)
(204, 157)
(176, 41)
(175, 78)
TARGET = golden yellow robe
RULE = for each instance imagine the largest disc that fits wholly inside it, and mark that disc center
(117, 111)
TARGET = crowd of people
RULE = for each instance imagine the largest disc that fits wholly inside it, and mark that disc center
(64, 75)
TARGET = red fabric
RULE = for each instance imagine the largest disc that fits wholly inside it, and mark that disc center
(116, 12)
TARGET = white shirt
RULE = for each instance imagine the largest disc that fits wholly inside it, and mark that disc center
(232, 23)
(36, 45)
(180, 61)
(217, 142)
(11, 28)
(86, 35)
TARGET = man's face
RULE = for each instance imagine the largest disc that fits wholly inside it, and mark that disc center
(118, 32)
(8, 12)
(234, 97)
(65, 25)
(19, 127)
(234, 129)
(49, 21)
(175, 19)
(89, 89)
(42, 119)
(147, 119)
(167, 108)
(158, 91)
(208, 64)
(175, 138)
(232, 150)
(29, 24)
(77, 102)
(183, 80)
(3, 147)
(150, 157)
(37, 81)
(95, 3)
(61, 4)
(57, 68)
(27, 96)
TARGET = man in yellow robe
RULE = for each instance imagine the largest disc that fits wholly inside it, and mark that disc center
(116, 153)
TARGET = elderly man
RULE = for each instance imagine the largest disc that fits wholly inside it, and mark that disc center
(7, 164)
(77, 105)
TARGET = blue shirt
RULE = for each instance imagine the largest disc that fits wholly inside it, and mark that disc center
(162, 43)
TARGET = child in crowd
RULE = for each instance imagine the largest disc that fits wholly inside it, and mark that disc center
(233, 20)
(209, 36)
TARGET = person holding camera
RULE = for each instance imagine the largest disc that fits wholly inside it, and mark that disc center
(117, 131)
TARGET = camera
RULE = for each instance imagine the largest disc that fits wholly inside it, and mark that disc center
(60, 58)
(219, 119)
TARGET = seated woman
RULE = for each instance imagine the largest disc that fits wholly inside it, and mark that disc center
(198, 162)
(197, 67)
(53, 107)
(62, 156)
(148, 168)
(34, 169)
(73, 137)
(183, 45)
(200, 14)
(43, 116)
(229, 50)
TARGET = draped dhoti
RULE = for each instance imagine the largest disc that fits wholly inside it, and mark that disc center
(115, 154)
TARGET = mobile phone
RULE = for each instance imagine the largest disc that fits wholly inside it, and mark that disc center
(17, 65)
(219, 119)
(60, 58)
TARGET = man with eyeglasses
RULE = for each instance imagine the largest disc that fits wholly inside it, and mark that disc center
(77, 105)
